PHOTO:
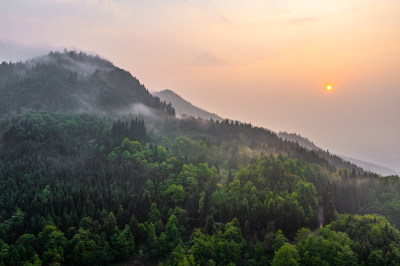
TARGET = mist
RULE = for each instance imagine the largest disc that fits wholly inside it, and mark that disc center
(11, 51)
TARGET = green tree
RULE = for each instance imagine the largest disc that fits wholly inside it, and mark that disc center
(125, 244)
(25, 247)
(53, 243)
(209, 227)
(176, 193)
(286, 255)
(4, 253)
(279, 240)
(87, 249)
(110, 224)
(376, 258)
(171, 237)
(154, 213)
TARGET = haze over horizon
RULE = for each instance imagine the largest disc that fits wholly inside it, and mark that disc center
(264, 62)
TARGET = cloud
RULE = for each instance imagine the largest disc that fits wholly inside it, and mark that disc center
(108, 6)
(223, 19)
(12, 51)
(208, 59)
(304, 20)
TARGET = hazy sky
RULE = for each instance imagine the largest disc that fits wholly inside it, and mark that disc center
(260, 61)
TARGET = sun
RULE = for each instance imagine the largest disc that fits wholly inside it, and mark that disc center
(329, 87)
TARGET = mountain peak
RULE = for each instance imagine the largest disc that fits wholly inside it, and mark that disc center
(72, 81)
(183, 107)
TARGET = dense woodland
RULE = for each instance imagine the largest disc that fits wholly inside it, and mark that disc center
(78, 189)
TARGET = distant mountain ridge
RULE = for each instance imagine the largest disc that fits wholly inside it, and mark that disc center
(382, 170)
(304, 142)
(183, 107)
(73, 82)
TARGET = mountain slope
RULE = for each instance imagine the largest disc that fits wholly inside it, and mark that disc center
(72, 82)
(183, 107)
(304, 142)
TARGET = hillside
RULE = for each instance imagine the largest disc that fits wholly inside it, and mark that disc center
(73, 82)
(183, 107)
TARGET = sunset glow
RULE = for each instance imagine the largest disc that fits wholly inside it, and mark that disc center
(196, 132)
(216, 53)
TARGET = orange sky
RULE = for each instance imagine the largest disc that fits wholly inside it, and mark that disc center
(259, 61)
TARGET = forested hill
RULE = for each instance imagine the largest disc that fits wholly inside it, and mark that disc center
(183, 107)
(73, 82)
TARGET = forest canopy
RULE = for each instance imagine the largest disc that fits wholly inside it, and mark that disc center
(82, 189)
